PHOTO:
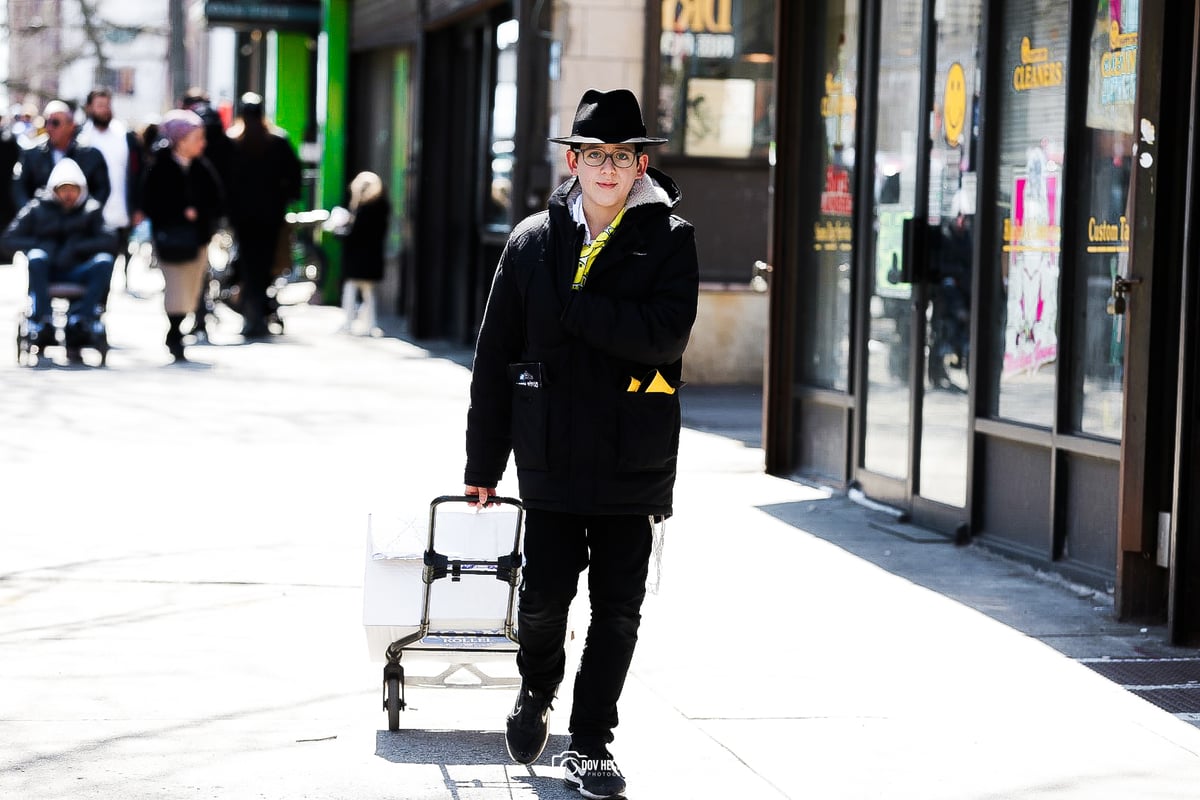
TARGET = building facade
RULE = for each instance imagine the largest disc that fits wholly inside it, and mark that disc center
(476, 89)
(983, 282)
(56, 51)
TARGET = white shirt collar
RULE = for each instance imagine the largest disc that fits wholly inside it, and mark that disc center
(580, 219)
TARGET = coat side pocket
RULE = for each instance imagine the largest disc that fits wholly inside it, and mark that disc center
(648, 431)
(530, 410)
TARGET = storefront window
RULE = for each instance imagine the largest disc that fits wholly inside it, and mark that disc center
(1024, 341)
(498, 202)
(824, 302)
(1103, 223)
(716, 86)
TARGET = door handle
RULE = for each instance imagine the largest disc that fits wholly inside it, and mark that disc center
(1120, 290)
(760, 276)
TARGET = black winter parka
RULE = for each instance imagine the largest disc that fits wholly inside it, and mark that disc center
(38, 162)
(168, 190)
(69, 236)
(362, 248)
(553, 367)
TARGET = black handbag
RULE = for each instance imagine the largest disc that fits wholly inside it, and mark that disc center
(177, 243)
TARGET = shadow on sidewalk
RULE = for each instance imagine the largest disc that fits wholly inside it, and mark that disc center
(395, 327)
(1078, 621)
(424, 746)
(450, 749)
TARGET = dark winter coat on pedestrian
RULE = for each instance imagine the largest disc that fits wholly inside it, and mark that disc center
(10, 154)
(264, 176)
(168, 189)
(554, 368)
(38, 162)
(362, 247)
(70, 236)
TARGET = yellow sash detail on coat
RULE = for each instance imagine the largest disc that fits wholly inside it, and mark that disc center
(588, 253)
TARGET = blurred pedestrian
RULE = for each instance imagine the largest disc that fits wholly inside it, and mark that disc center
(362, 250)
(37, 162)
(122, 151)
(10, 154)
(64, 237)
(219, 153)
(264, 177)
(183, 198)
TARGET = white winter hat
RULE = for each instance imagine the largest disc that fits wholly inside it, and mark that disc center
(56, 107)
(67, 171)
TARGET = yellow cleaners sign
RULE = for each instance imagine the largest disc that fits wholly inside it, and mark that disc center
(1036, 70)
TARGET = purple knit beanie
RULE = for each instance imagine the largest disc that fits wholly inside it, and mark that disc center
(178, 123)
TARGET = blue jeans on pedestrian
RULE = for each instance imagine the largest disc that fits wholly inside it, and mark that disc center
(615, 548)
(94, 275)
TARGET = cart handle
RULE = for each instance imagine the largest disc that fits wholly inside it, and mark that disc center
(471, 498)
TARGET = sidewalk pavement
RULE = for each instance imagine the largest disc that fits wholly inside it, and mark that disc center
(187, 625)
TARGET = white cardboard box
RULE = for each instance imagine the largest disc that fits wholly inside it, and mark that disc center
(394, 590)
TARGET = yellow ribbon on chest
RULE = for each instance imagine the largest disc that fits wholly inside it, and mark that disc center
(588, 253)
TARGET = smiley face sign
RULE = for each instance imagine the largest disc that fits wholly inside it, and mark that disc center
(955, 103)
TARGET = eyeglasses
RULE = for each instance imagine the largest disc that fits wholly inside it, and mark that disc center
(54, 122)
(622, 159)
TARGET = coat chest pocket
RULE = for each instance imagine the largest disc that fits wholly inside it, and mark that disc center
(530, 409)
(648, 431)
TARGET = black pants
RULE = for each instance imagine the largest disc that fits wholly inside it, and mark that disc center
(616, 551)
(258, 242)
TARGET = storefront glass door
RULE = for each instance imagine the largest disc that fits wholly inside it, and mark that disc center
(945, 408)
(915, 386)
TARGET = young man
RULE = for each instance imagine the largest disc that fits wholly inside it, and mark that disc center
(63, 235)
(576, 369)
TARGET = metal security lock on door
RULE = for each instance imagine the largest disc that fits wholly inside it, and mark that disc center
(1120, 289)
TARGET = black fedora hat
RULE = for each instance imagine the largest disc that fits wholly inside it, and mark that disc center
(608, 118)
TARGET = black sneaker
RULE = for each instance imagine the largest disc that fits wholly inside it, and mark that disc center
(594, 774)
(528, 725)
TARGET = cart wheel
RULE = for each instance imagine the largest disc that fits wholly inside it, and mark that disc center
(393, 703)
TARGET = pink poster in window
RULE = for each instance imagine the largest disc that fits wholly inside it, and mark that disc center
(1032, 238)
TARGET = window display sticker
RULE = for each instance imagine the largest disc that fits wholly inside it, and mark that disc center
(1112, 68)
(1032, 238)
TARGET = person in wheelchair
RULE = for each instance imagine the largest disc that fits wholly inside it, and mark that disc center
(65, 239)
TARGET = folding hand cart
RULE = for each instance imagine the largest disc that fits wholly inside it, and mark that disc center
(415, 600)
